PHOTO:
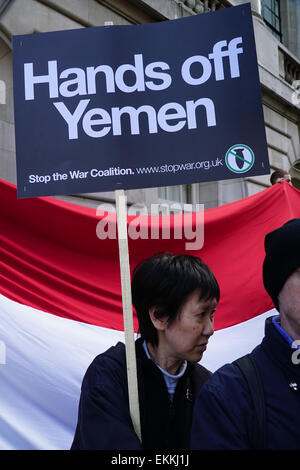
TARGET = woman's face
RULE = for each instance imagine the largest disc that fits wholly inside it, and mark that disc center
(187, 337)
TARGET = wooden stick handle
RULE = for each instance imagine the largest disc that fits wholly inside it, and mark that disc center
(127, 311)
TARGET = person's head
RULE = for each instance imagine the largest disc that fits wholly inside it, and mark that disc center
(295, 174)
(175, 297)
(281, 273)
(280, 175)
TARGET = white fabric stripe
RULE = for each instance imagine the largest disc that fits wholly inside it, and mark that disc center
(45, 359)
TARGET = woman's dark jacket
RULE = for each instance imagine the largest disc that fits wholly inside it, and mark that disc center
(103, 417)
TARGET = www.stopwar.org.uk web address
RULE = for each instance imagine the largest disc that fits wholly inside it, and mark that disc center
(166, 168)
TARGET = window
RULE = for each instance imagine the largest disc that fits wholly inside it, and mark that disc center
(271, 15)
(174, 193)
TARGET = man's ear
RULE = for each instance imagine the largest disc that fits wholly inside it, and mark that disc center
(159, 323)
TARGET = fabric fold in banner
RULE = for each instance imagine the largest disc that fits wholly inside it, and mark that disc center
(51, 258)
(60, 298)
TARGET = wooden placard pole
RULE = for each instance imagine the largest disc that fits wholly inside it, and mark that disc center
(133, 393)
(121, 206)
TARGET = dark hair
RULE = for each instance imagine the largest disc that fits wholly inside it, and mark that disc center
(164, 281)
(276, 175)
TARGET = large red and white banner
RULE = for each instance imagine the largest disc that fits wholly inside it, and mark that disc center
(61, 304)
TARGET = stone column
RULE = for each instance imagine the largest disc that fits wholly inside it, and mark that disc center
(256, 7)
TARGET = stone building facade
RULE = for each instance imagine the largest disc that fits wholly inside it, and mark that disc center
(277, 35)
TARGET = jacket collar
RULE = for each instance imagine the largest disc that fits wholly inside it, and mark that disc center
(148, 363)
(279, 349)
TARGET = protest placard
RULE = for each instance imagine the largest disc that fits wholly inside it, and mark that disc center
(169, 103)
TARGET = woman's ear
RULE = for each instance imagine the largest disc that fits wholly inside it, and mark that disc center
(159, 323)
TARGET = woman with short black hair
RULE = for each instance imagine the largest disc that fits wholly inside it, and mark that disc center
(175, 297)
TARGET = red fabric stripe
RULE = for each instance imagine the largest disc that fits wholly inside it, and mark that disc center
(52, 260)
